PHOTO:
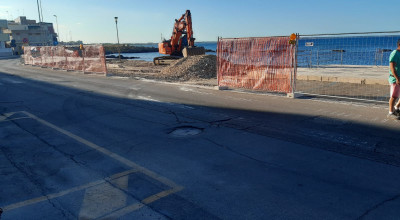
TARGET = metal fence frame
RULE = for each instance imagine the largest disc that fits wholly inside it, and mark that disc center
(88, 59)
(264, 67)
(361, 89)
(372, 84)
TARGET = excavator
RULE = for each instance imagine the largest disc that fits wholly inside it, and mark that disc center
(181, 43)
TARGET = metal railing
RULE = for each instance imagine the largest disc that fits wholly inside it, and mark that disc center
(346, 65)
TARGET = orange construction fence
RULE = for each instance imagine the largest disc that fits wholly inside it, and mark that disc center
(91, 59)
(266, 63)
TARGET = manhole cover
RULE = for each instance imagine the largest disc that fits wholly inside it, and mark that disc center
(185, 131)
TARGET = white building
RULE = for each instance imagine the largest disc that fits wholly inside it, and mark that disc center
(4, 37)
(29, 33)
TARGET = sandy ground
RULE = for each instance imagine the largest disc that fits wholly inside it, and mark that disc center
(147, 70)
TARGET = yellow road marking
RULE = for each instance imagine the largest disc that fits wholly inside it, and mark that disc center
(6, 116)
(106, 152)
(144, 202)
(104, 198)
(65, 192)
(3, 119)
(135, 168)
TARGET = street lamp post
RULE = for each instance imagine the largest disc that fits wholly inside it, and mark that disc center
(119, 49)
(58, 32)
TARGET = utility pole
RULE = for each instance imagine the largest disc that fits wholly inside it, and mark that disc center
(119, 49)
(41, 11)
(58, 33)
(38, 8)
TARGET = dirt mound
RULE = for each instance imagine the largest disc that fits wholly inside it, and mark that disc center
(193, 67)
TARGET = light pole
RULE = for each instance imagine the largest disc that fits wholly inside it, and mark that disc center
(58, 32)
(119, 49)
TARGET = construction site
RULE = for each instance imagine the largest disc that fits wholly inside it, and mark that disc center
(277, 125)
(347, 65)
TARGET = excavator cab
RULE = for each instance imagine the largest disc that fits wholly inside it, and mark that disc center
(164, 47)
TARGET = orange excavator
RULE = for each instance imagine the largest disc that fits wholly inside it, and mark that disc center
(181, 43)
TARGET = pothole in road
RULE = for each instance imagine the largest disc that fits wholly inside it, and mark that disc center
(185, 131)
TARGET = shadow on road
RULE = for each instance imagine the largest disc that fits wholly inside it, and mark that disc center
(146, 127)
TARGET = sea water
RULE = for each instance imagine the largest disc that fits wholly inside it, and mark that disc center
(346, 50)
(151, 55)
(319, 50)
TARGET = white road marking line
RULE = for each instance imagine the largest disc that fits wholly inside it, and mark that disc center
(6, 116)
(136, 168)
(120, 77)
(186, 89)
(147, 99)
(65, 192)
(106, 152)
(4, 119)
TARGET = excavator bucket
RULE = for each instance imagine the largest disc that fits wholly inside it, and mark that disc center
(192, 51)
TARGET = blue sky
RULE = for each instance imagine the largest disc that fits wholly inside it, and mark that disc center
(144, 21)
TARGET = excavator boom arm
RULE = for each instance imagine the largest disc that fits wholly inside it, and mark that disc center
(178, 46)
(183, 25)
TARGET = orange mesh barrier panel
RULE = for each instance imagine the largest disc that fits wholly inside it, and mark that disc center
(256, 63)
(91, 59)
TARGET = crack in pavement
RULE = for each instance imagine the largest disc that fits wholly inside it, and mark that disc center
(67, 155)
(176, 117)
(133, 197)
(242, 154)
(31, 179)
(304, 174)
(221, 121)
(366, 213)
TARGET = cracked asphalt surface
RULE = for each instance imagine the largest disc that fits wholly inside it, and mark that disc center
(76, 146)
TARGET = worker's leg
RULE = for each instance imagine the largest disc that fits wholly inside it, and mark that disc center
(391, 104)
(394, 94)
(398, 104)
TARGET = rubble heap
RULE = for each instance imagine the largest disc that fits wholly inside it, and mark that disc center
(189, 68)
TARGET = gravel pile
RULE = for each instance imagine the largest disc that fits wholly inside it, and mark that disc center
(191, 68)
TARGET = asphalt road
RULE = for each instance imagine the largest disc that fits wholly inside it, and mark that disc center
(76, 146)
